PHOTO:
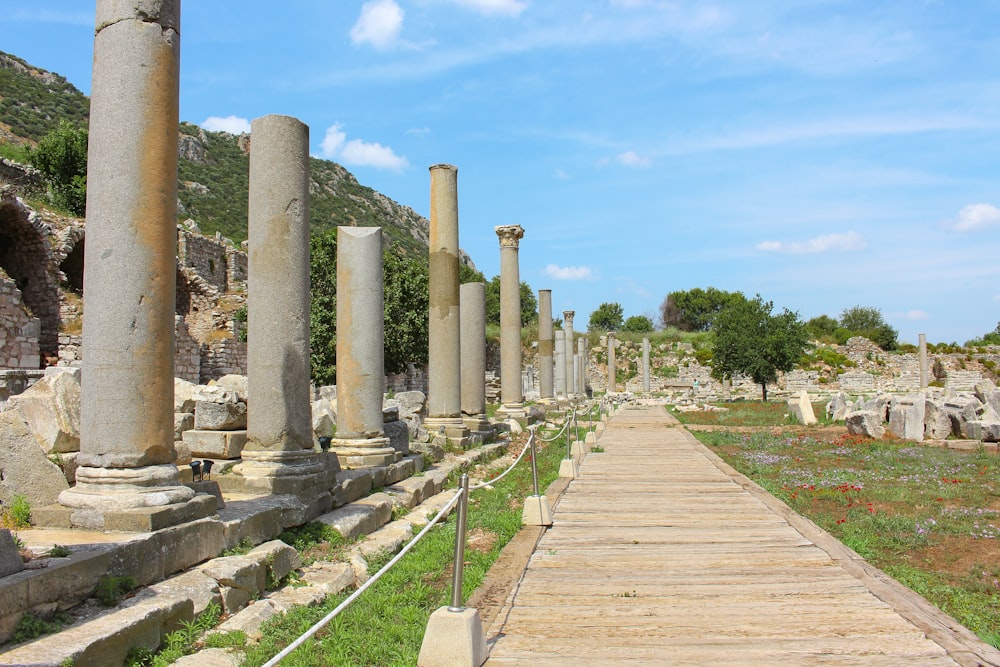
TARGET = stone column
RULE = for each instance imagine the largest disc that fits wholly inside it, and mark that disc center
(279, 455)
(444, 357)
(612, 371)
(570, 347)
(472, 304)
(581, 346)
(510, 322)
(127, 479)
(923, 360)
(360, 439)
(645, 365)
(545, 346)
(560, 357)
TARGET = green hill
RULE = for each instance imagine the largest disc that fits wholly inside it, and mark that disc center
(213, 167)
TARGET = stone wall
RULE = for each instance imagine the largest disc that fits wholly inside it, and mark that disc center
(227, 356)
(19, 335)
(215, 259)
(413, 379)
(187, 353)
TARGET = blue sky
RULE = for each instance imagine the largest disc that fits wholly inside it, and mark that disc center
(824, 154)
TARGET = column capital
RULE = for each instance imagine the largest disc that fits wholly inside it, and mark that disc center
(509, 235)
(568, 316)
(611, 335)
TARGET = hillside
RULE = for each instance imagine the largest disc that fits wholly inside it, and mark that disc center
(213, 166)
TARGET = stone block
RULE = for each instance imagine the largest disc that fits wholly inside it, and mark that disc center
(256, 520)
(26, 469)
(399, 436)
(387, 540)
(250, 619)
(837, 407)
(351, 485)
(937, 423)
(453, 638)
(297, 596)
(10, 557)
(351, 520)
(401, 469)
(278, 557)
(906, 417)
(865, 423)
(240, 579)
(381, 503)
(324, 418)
(183, 421)
(193, 585)
(215, 444)
(51, 408)
(213, 416)
(390, 412)
(237, 385)
(411, 492)
(331, 578)
(211, 657)
(987, 431)
(190, 543)
(183, 395)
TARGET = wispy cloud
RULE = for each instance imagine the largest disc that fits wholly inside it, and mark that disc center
(380, 23)
(420, 131)
(491, 7)
(336, 146)
(827, 243)
(568, 272)
(230, 124)
(916, 315)
(633, 159)
(974, 217)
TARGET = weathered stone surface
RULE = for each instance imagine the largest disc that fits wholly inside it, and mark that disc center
(183, 421)
(184, 395)
(801, 409)
(324, 417)
(399, 436)
(961, 410)
(411, 492)
(866, 423)
(51, 408)
(906, 417)
(211, 657)
(279, 558)
(25, 469)
(297, 596)
(351, 520)
(240, 579)
(351, 485)
(212, 416)
(236, 384)
(837, 408)
(388, 539)
(193, 585)
(331, 578)
(880, 406)
(10, 558)
(987, 431)
(215, 444)
(250, 619)
(937, 423)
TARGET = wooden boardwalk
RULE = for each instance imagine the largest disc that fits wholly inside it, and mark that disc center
(661, 554)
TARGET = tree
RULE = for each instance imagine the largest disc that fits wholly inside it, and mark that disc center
(868, 322)
(607, 317)
(638, 324)
(822, 327)
(750, 341)
(694, 310)
(61, 156)
(405, 309)
(529, 304)
(991, 338)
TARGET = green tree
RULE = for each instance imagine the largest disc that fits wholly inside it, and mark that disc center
(822, 327)
(405, 310)
(61, 156)
(607, 317)
(868, 322)
(750, 341)
(638, 324)
(529, 303)
(695, 309)
(991, 338)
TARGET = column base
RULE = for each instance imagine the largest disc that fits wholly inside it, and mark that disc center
(478, 424)
(448, 430)
(300, 473)
(512, 411)
(133, 520)
(363, 452)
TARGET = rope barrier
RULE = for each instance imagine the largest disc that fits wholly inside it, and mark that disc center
(496, 479)
(365, 586)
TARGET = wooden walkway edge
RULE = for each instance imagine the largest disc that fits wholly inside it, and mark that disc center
(661, 553)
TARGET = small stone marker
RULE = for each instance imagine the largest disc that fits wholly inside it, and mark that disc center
(10, 558)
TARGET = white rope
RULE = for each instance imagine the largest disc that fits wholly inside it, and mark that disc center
(496, 479)
(561, 431)
(365, 586)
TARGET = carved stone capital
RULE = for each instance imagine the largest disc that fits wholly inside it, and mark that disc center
(509, 235)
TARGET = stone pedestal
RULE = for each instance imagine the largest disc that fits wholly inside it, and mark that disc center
(545, 347)
(444, 360)
(559, 337)
(127, 472)
(511, 397)
(454, 638)
(279, 455)
(536, 511)
(472, 298)
(360, 439)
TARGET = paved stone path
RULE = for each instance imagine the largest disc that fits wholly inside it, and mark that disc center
(662, 554)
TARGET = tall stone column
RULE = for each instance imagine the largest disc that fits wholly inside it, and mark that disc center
(645, 365)
(581, 347)
(922, 349)
(559, 336)
(127, 479)
(444, 357)
(472, 304)
(545, 346)
(568, 316)
(612, 371)
(279, 455)
(511, 396)
(360, 440)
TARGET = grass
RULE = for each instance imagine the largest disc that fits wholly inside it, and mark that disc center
(929, 517)
(385, 626)
(748, 413)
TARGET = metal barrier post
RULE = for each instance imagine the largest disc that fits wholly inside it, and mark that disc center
(534, 463)
(536, 507)
(460, 521)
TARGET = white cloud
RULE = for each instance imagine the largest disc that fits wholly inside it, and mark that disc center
(827, 243)
(379, 24)
(502, 7)
(917, 315)
(356, 152)
(568, 272)
(230, 124)
(975, 217)
(419, 130)
(633, 159)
